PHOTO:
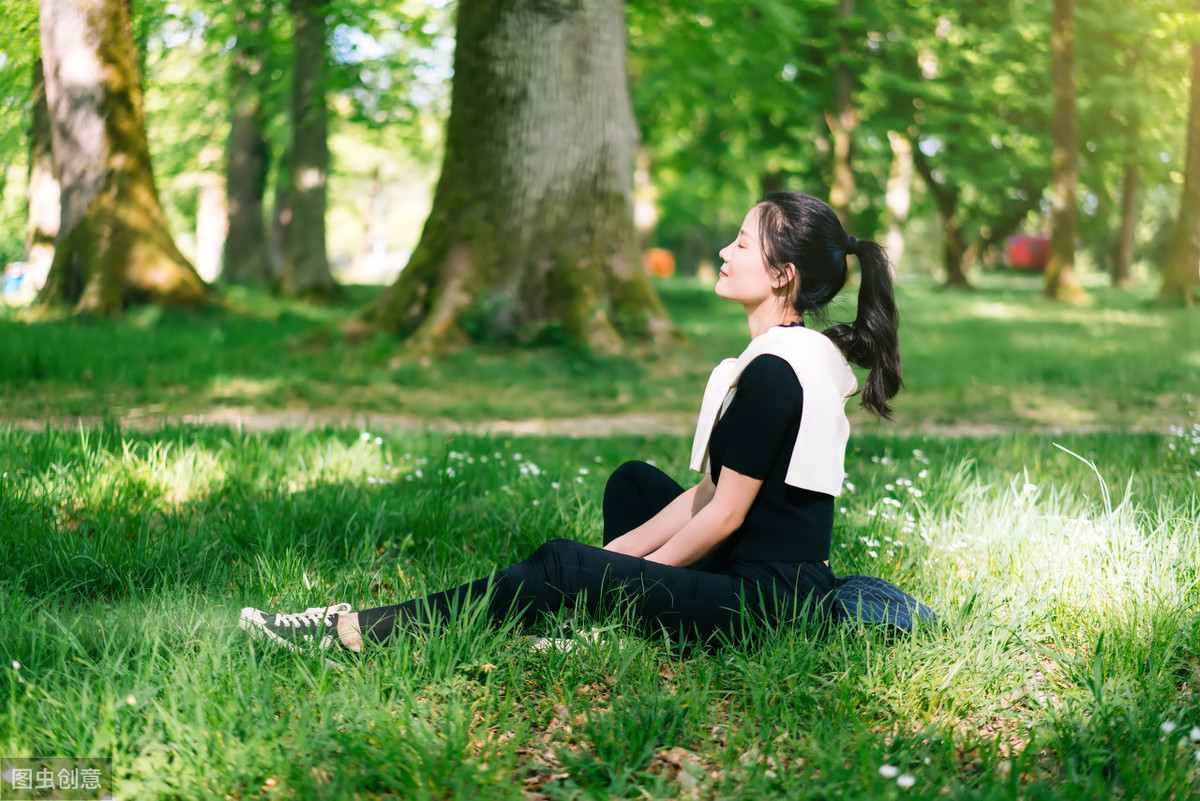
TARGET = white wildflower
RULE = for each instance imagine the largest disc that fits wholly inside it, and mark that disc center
(16, 665)
(923, 474)
(129, 699)
(583, 471)
(889, 771)
(379, 440)
(1168, 726)
(1028, 488)
(906, 781)
(873, 554)
(553, 485)
(849, 486)
(890, 487)
(1194, 734)
(365, 436)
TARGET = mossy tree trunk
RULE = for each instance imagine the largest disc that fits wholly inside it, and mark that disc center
(306, 263)
(1181, 270)
(1061, 280)
(42, 192)
(113, 247)
(247, 257)
(532, 222)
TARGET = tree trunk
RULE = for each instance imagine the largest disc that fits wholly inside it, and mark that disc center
(842, 120)
(1181, 270)
(899, 197)
(247, 255)
(371, 247)
(43, 193)
(954, 244)
(1122, 265)
(1061, 280)
(281, 220)
(212, 216)
(113, 246)
(306, 263)
(531, 230)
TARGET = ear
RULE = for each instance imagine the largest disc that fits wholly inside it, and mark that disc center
(787, 277)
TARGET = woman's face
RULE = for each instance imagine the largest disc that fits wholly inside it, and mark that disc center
(744, 277)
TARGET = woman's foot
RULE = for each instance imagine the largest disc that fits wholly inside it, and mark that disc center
(348, 632)
(315, 628)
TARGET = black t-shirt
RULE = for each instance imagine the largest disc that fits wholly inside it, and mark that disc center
(756, 437)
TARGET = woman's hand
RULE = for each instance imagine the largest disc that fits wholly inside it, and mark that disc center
(719, 517)
(657, 530)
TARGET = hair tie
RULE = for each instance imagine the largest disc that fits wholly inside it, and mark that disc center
(852, 246)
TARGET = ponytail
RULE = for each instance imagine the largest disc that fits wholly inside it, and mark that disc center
(802, 231)
(872, 340)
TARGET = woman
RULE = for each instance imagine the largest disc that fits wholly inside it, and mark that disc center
(750, 542)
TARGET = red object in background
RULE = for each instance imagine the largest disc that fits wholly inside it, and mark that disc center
(1027, 251)
(659, 262)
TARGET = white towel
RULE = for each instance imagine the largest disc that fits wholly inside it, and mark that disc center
(819, 457)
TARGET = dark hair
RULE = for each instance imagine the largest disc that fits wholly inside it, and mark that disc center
(803, 231)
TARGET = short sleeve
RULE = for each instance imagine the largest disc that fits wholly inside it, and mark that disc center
(763, 417)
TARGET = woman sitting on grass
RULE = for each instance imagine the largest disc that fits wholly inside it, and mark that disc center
(749, 544)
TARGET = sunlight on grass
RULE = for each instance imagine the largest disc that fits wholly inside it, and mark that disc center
(999, 356)
(1064, 665)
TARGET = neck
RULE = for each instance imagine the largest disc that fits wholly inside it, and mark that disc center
(765, 316)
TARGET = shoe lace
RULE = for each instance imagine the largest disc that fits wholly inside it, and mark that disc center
(313, 616)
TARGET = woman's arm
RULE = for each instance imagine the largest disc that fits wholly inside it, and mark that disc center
(657, 530)
(709, 527)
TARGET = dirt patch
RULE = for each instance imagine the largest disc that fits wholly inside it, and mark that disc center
(635, 424)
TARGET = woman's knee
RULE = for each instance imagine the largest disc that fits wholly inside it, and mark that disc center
(627, 473)
(554, 552)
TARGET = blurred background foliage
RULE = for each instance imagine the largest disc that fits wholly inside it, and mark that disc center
(731, 99)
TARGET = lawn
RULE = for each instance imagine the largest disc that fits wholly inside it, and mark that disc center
(996, 359)
(1067, 579)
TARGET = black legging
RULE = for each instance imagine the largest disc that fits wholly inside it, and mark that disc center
(684, 602)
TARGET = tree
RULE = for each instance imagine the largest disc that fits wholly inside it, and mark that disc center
(113, 246)
(246, 258)
(963, 85)
(1132, 106)
(1181, 271)
(43, 191)
(1062, 283)
(843, 117)
(531, 229)
(306, 262)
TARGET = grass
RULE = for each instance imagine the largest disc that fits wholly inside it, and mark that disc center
(1070, 605)
(1067, 579)
(999, 358)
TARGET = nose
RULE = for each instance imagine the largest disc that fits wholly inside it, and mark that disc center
(721, 253)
